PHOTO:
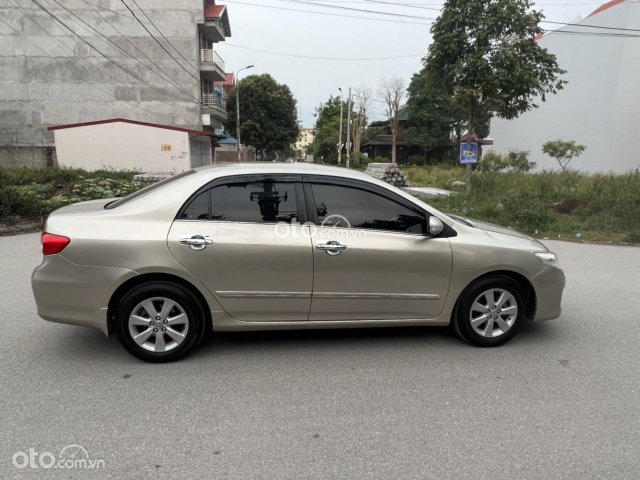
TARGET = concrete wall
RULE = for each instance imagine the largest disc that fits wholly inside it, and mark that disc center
(71, 83)
(598, 107)
(123, 146)
(27, 156)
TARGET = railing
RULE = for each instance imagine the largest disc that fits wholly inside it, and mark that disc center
(213, 100)
(208, 55)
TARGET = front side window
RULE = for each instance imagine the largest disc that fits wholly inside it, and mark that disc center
(256, 202)
(351, 207)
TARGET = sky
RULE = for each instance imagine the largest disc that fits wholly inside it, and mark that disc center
(261, 28)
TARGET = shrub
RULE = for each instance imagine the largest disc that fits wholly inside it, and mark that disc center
(563, 151)
(514, 161)
(31, 194)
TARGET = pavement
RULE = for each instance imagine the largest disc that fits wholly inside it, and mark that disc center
(560, 401)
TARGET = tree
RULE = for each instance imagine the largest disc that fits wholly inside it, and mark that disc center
(563, 151)
(392, 91)
(485, 52)
(268, 114)
(326, 130)
(359, 118)
(433, 116)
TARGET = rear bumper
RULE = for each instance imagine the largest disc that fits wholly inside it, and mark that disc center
(548, 286)
(75, 294)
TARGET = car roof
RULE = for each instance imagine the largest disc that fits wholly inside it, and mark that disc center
(299, 168)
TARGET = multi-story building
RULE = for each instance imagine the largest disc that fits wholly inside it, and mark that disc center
(73, 61)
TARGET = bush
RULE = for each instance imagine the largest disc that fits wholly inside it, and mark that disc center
(633, 236)
(607, 207)
(514, 161)
(31, 194)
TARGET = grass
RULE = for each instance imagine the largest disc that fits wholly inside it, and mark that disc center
(572, 205)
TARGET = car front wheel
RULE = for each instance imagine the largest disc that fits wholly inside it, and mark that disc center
(489, 312)
(159, 322)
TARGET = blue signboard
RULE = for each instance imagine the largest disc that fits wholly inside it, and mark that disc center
(468, 153)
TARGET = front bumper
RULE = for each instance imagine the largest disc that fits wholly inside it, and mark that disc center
(548, 285)
(75, 294)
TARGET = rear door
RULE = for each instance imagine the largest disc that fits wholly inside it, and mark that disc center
(372, 260)
(240, 237)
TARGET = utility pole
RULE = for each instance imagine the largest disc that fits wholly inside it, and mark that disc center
(340, 134)
(349, 129)
(237, 92)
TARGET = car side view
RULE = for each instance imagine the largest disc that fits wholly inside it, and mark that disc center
(284, 246)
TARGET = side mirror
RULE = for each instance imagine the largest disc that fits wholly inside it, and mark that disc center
(435, 226)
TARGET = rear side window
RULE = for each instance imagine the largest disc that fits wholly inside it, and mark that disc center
(350, 207)
(147, 189)
(198, 209)
(255, 202)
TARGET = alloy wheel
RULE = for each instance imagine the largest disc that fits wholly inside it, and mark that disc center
(493, 313)
(158, 324)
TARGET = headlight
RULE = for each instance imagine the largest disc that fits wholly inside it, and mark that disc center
(548, 258)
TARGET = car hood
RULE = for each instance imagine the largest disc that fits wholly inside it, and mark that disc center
(497, 231)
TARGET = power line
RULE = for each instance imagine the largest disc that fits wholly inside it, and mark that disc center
(186, 92)
(98, 86)
(158, 41)
(325, 58)
(102, 54)
(339, 7)
(359, 10)
(322, 13)
(165, 38)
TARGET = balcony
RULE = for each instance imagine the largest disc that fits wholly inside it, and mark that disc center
(211, 65)
(215, 105)
(216, 23)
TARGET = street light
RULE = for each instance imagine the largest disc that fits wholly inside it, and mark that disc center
(340, 136)
(235, 77)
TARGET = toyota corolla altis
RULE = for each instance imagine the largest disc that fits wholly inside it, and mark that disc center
(284, 246)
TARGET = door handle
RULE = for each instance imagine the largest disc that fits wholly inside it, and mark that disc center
(196, 241)
(332, 247)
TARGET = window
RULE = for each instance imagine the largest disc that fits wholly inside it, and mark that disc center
(257, 202)
(198, 209)
(147, 189)
(342, 206)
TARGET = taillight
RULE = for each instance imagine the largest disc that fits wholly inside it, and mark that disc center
(52, 244)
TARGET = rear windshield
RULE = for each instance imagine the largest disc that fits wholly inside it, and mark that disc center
(145, 190)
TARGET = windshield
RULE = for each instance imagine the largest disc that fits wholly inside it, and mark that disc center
(145, 190)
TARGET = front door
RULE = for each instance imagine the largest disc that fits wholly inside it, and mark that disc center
(372, 260)
(234, 238)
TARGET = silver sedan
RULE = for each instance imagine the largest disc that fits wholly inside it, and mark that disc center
(284, 246)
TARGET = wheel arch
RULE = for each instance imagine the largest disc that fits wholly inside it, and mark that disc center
(526, 288)
(141, 279)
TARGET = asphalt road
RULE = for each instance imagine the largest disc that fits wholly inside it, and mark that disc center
(560, 401)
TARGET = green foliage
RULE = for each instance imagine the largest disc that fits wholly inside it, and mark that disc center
(633, 236)
(607, 206)
(563, 151)
(31, 194)
(514, 161)
(432, 112)
(485, 54)
(268, 114)
(326, 131)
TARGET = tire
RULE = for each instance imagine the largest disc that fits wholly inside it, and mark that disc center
(173, 329)
(497, 322)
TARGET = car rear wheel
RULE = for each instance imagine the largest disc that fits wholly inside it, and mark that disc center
(489, 312)
(159, 322)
